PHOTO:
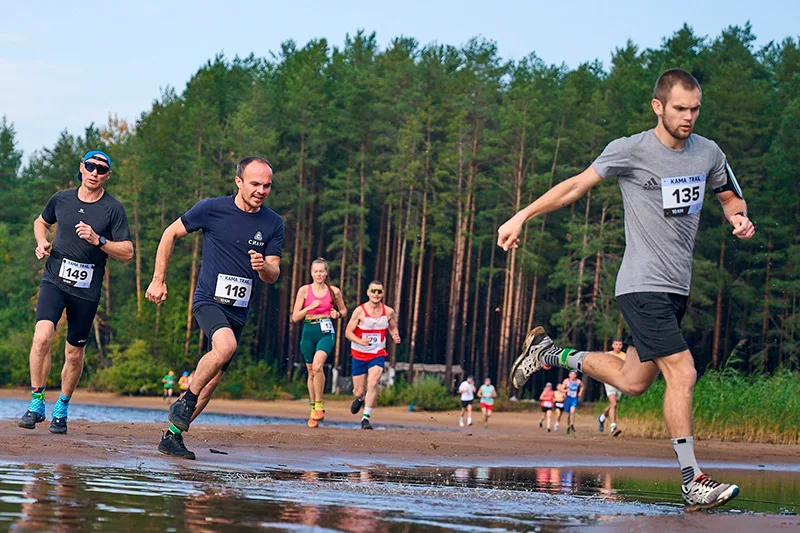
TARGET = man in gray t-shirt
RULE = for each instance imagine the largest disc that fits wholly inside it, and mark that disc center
(663, 175)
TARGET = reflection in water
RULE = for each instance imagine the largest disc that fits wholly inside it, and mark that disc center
(66, 498)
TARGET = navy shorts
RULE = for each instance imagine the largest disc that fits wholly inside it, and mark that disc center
(211, 318)
(80, 312)
(569, 403)
(654, 319)
(362, 367)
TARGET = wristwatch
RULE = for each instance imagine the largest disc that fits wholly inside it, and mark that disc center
(101, 242)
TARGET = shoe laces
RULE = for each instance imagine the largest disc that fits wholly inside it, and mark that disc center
(705, 481)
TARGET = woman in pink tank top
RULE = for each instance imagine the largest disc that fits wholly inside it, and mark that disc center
(317, 304)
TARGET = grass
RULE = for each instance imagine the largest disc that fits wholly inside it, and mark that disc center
(727, 405)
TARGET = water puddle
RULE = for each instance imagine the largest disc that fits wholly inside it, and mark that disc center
(12, 409)
(67, 498)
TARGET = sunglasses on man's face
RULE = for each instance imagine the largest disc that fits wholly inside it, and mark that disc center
(376, 291)
(91, 167)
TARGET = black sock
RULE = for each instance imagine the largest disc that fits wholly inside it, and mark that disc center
(190, 396)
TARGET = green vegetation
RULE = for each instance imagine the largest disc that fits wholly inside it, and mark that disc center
(428, 394)
(399, 164)
(728, 405)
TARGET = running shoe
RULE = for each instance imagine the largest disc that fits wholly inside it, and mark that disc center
(601, 424)
(30, 419)
(615, 432)
(318, 415)
(705, 493)
(469, 421)
(58, 425)
(461, 422)
(540, 423)
(555, 428)
(365, 423)
(313, 422)
(356, 406)
(180, 413)
(536, 344)
(172, 444)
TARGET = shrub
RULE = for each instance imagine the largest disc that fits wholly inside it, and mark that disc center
(132, 371)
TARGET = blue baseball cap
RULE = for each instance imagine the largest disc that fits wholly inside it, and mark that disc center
(96, 154)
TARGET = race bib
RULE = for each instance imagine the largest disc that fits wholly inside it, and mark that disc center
(326, 325)
(374, 338)
(233, 290)
(547, 404)
(78, 275)
(683, 195)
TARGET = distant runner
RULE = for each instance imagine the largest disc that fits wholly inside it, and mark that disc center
(169, 383)
(467, 391)
(559, 395)
(573, 387)
(613, 394)
(371, 323)
(487, 393)
(546, 401)
(317, 304)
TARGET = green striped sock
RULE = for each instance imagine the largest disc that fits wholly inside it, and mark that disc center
(174, 430)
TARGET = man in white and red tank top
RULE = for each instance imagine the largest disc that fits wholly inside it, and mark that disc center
(367, 330)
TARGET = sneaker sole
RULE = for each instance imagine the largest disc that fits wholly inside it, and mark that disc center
(616, 433)
(192, 458)
(26, 426)
(58, 431)
(525, 347)
(724, 498)
(180, 424)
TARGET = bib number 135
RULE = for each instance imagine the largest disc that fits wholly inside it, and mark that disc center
(683, 195)
(233, 290)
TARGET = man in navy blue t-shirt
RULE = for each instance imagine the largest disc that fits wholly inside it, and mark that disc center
(91, 227)
(242, 242)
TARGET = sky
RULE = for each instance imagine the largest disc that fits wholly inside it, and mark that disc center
(64, 67)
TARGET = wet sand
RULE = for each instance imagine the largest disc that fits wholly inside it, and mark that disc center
(513, 439)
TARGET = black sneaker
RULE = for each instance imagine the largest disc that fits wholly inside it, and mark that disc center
(58, 425)
(356, 406)
(172, 444)
(365, 423)
(30, 419)
(180, 413)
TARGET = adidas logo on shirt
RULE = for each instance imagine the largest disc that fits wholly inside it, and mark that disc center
(257, 240)
(81, 211)
(652, 185)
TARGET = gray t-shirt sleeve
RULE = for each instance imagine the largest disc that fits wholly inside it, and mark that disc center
(615, 158)
(718, 175)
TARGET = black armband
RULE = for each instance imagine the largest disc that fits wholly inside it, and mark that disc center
(731, 184)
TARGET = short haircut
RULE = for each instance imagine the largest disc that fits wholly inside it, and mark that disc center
(375, 282)
(243, 164)
(671, 78)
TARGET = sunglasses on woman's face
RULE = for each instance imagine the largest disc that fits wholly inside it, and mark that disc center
(91, 167)
(376, 291)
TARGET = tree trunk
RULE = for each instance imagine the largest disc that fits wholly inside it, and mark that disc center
(488, 310)
(192, 283)
(362, 222)
(718, 307)
(462, 346)
(137, 246)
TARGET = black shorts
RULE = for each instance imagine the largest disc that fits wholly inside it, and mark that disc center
(654, 319)
(545, 409)
(465, 403)
(211, 318)
(560, 405)
(80, 312)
